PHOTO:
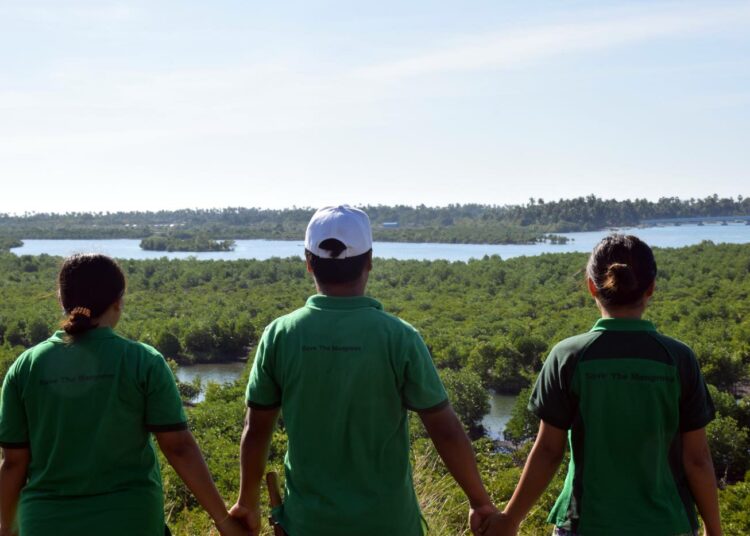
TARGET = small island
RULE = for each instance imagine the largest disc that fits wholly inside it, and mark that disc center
(6, 244)
(185, 242)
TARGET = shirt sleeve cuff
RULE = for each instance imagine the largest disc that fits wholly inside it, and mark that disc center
(14, 445)
(256, 405)
(175, 427)
(431, 409)
(697, 424)
(552, 420)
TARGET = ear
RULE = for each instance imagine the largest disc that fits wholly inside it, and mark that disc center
(309, 266)
(368, 266)
(592, 287)
(119, 305)
(650, 290)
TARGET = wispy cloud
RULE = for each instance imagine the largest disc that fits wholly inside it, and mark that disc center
(521, 46)
(86, 105)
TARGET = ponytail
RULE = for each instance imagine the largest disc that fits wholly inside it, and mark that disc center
(78, 321)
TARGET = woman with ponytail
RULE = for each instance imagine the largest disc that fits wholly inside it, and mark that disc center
(76, 416)
(633, 406)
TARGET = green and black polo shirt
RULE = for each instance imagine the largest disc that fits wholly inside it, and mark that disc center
(626, 393)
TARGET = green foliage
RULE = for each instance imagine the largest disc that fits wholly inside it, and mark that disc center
(734, 502)
(168, 343)
(729, 435)
(8, 243)
(468, 398)
(8, 355)
(523, 425)
(185, 241)
(729, 447)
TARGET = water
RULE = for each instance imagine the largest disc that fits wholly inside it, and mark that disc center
(668, 236)
(495, 421)
(210, 372)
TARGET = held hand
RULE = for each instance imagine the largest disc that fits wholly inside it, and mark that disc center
(499, 525)
(231, 526)
(479, 515)
(248, 517)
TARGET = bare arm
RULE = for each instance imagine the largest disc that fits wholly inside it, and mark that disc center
(699, 469)
(453, 446)
(183, 454)
(12, 478)
(254, 447)
(543, 461)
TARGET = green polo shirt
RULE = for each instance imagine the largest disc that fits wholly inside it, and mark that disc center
(85, 410)
(344, 373)
(626, 393)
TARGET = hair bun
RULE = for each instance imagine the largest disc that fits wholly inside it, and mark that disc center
(622, 267)
(620, 278)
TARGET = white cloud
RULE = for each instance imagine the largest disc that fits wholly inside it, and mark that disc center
(521, 46)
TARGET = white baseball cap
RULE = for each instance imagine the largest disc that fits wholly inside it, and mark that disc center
(348, 225)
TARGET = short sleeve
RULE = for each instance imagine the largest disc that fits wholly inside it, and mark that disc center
(551, 399)
(164, 411)
(263, 390)
(423, 390)
(14, 431)
(696, 406)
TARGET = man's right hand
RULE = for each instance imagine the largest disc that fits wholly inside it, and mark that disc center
(249, 517)
(479, 515)
(232, 526)
(499, 524)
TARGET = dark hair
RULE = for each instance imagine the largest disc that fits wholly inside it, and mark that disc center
(335, 270)
(622, 267)
(88, 284)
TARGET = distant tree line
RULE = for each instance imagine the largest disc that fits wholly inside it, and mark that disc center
(523, 223)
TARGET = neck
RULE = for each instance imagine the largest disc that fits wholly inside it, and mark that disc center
(107, 320)
(630, 312)
(337, 292)
(342, 290)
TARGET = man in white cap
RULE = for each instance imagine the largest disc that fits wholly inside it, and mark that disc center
(344, 373)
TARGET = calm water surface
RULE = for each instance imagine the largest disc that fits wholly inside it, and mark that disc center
(495, 421)
(211, 372)
(668, 236)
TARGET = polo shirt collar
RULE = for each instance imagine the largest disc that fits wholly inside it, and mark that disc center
(321, 301)
(96, 333)
(623, 324)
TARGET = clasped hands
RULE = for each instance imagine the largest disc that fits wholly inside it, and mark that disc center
(492, 523)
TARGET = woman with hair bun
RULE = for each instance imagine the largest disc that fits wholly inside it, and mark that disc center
(633, 406)
(76, 416)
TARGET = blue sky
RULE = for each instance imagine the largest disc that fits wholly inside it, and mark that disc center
(141, 105)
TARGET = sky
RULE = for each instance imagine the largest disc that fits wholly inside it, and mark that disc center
(142, 105)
